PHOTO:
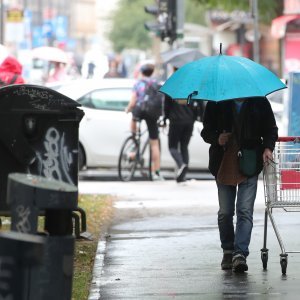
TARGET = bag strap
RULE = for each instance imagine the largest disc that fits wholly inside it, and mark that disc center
(14, 79)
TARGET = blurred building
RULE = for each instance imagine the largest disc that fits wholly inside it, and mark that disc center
(286, 30)
(76, 24)
(235, 30)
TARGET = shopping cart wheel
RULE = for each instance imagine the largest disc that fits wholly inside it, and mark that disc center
(264, 258)
(283, 263)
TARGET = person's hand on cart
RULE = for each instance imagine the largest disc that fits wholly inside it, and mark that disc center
(267, 155)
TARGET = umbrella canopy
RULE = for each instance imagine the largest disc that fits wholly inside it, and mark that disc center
(180, 56)
(50, 54)
(221, 77)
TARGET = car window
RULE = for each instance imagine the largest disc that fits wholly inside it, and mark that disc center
(107, 99)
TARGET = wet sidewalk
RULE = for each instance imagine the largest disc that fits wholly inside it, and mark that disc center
(164, 244)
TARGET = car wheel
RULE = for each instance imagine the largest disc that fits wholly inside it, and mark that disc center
(81, 158)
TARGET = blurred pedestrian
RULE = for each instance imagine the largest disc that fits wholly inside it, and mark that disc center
(134, 106)
(91, 69)
(181, 124)
(122, 68)
(11, 71)
(238, 131)
(113, 71)
(58, 72)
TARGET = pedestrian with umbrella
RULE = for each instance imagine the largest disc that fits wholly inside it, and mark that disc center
(239, 125)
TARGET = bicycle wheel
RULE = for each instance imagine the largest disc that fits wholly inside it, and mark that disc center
(127, 159)
(145, 160)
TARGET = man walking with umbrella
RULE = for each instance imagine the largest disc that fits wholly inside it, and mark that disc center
(239, 125)
(230, 127)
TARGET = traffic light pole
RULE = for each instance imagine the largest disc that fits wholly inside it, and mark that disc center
(2, 22)
(256, 31)
(180, 14)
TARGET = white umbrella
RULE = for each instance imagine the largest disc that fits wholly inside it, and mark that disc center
(181, 56)
(50, 54)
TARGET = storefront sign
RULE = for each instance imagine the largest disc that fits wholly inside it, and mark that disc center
(14, 15)
(220, 16)
(292, 55)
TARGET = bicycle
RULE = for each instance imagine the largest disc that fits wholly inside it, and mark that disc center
(135, 154)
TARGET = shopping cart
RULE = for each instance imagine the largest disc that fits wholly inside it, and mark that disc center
(282, 190)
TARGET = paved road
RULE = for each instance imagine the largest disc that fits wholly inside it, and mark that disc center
(112, 175)
(164, 244)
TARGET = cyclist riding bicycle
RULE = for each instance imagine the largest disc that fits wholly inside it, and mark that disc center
(134, 106)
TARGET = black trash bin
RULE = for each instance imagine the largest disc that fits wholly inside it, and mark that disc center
(38, 135)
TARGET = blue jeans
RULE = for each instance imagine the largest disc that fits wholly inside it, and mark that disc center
(245, 194)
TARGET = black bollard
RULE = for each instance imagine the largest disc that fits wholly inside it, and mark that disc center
(21, 256)
(26, 195)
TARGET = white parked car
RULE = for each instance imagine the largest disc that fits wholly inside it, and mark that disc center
(106, 125)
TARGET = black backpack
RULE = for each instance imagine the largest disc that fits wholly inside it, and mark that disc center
(152, 103)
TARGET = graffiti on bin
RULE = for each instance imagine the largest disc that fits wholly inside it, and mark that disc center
(23, 224)
(39, 99)
(56, 160)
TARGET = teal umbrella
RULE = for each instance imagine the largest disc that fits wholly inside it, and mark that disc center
(221, 77)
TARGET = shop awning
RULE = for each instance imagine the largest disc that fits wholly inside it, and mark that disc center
(279, 25)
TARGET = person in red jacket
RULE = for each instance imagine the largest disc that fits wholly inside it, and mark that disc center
(11, 72)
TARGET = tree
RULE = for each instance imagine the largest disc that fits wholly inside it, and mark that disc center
(195, 12)
(128, 26)
(128, 23)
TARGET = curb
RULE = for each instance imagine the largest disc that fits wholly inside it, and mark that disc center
(94, 293)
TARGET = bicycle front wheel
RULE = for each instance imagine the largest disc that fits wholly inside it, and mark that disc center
(127, 159)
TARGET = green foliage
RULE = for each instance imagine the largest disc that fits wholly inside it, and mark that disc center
(195, 12)
(128, 29)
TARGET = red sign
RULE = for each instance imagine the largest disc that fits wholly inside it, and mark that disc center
(292, 54)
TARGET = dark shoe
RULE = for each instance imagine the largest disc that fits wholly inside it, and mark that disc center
(226, 263)
(181, 173)
(239, 264)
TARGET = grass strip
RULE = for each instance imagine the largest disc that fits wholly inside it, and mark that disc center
(98, 209)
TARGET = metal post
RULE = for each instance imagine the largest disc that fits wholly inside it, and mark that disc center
(256, 31)
(180, 12)
(2, 22)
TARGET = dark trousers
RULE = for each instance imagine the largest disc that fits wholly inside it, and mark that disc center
(179, 138)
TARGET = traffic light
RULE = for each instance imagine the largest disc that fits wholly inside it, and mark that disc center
(164, 24)
(172, 21)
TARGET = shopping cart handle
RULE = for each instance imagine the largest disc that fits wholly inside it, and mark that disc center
(295, 139)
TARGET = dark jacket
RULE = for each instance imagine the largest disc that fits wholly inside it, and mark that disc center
(183, 114)
(258, 128)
